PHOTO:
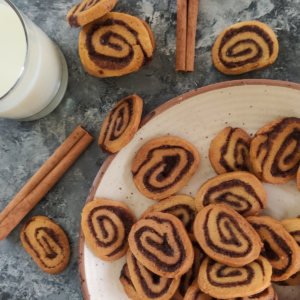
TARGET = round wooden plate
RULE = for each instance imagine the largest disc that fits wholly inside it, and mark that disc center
(197, 117)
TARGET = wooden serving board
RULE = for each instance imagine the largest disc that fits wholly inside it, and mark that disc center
(196, 117)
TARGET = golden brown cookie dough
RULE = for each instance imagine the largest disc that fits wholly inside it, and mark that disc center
(149, 285)
(106, 225)
(46, 242)
(229, 151)
(161, 243)
(280, 248)
(275, 151)
(226, 236)
(115, 45)
(163, 166)
(181, 206)
(127, 284)
(218, 280)
(88, 11)
(244, 47)
(241, 191)
(121, 124)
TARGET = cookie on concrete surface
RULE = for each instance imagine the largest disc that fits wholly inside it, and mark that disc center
(244, 47)
(121, 124)
(47, 243)
(115, 45)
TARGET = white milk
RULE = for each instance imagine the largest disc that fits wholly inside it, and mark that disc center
(37, 62)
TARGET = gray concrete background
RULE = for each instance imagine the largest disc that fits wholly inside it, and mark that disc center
(25, 146)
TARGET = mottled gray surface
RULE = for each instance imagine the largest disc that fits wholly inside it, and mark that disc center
(25, 146)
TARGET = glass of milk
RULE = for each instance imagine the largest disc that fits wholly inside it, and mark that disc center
(33, 71)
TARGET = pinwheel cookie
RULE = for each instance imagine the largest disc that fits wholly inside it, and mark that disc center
(181, 206)
(229, 151)
(241, 191)
(244, 47)
(163, 166)
(161, 243)
(88, 11)
(106, 225)
(46, 242)
(121, 124)
(115, 45)
(218, 279)
(148, 284)
(226, 236)
(280, 248)
(275, 151)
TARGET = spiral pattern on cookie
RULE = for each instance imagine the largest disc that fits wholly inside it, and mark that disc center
(240, 191)
(115, 45)
(121, 124)
(46, 242)
(280, 248)
(292, 281)
(275, 151)
(127, 284)
(161, 244)
(226, 236)
(218, 279)
(148, 284)
(192, 274)
(244, 47)
(163, 166)
(181, 206)
(229, 151)
(106, 225)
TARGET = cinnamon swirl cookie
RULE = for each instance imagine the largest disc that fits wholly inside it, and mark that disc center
(121, 124)
(280, 248)
(292, 281)
(217, 279)
(192, 274)
(46, 242)
(106, 225)
(88, 11)
(226, 236)
(275, 151)
(115, 45)
(161, 243)
(229, 151)
(127, 284)
(181, 206)
(244, 47)
(148, 284)
(241, 191)
(163, 166)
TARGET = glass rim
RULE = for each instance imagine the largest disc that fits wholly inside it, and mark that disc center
(18, 13)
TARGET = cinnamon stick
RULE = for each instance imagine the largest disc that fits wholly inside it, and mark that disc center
(43, 180)
(181, 35)
(191, 34)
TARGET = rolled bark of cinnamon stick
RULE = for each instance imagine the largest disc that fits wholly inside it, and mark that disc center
(181, 35)
(43, 180)
(191, 34)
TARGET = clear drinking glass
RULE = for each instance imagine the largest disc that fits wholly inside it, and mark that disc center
(33, 70)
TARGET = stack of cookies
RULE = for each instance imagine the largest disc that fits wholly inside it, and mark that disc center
(111, 43)
(214, 246)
